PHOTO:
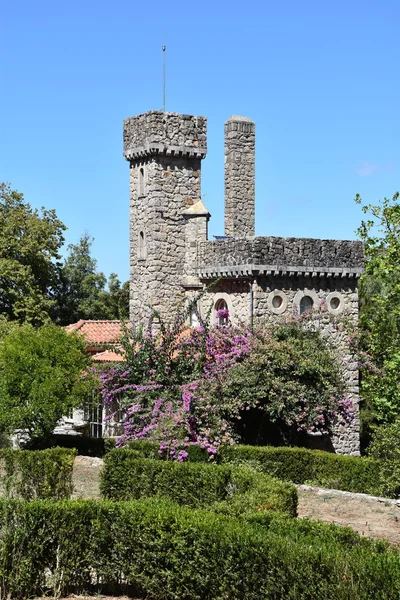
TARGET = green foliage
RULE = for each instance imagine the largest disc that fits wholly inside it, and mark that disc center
(29, 258)
(210, 387)
(291, 377)
(385, 446)
(299, 465)
(380, 308)
(118, 298)
(83, 293)
(34, 285)
(167, 551)
(85, 446)
(381, 389)
(236, 490)
(5, 441)
(41, 378)
(6, 326)
(380, 285)
(41, 474)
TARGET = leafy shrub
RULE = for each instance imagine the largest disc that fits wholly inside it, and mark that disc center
(148, 449)
(299, 465)
(38, 473)
(385, 447)
(167, 551)
(236, 490)
(291, 378)
(5, 441)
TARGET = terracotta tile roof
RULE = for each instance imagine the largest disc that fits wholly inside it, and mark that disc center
(108, 356)
(97, 332)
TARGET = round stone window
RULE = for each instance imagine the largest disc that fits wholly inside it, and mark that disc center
(277, 302)
(335, 303)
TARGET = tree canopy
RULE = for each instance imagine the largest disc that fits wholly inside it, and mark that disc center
(380, 307)
(83, 293)
(41, 378)
(29, 258)
(36, 286)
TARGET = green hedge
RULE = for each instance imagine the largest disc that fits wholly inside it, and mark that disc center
(226, 488)
(30, 474)
(169, 552)
(298, 465)
(85, 446)
(315, 467)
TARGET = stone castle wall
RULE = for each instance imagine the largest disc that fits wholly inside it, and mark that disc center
(332, 297)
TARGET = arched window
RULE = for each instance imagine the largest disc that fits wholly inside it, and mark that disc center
(141, 181)
(142, 249)
(194, 319)
(221, 313)
(306, 304)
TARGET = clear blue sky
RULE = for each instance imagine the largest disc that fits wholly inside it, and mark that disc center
(320, 79)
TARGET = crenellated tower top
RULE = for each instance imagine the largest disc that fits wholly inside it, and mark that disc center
(161, 133)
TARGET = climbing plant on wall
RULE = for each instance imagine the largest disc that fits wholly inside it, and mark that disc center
(183, 387)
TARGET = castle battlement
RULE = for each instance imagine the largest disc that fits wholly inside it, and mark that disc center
(157, 132)
(231, 257)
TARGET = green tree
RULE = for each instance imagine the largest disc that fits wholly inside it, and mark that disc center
(118, 297)
(380, 308)
(83, 293)
(41, 378)
(29, 258)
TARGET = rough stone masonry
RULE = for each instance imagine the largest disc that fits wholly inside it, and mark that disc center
(261, 279)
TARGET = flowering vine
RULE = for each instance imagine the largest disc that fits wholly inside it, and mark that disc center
(183, 387)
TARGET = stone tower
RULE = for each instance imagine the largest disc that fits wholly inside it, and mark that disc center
(239, 177)
(167, 217)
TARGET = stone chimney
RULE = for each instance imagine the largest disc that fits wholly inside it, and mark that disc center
(239, 177)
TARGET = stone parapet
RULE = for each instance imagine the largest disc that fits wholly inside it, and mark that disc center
(278, 255)
(157, 132)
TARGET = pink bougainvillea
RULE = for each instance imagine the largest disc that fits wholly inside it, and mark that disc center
(181, 387)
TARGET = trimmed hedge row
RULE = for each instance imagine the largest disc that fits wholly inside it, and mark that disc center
(30, 474)
(298, 465)
(224, 488)
(315, 467)
(171, 552)
(85, 446)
